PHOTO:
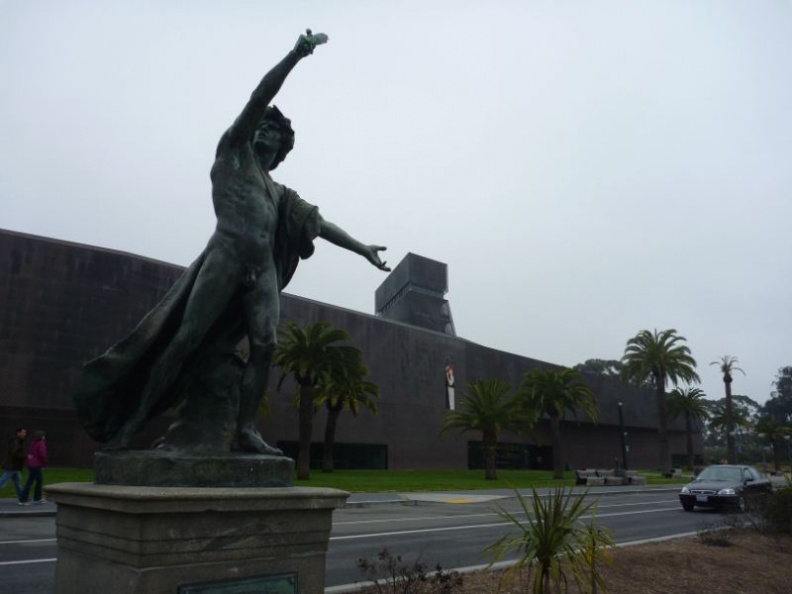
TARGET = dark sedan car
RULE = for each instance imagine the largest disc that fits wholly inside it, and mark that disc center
(725, 486)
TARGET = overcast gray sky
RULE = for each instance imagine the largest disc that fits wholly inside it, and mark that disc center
(586, 169)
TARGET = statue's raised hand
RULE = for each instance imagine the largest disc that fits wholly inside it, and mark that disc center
(370, 254)
(306, 43)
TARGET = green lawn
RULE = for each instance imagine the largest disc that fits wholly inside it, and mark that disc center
(375, 481)
(53, 475)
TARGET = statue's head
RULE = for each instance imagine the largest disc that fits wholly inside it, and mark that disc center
(274, 137)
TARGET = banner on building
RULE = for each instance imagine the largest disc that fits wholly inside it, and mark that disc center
(449, 383)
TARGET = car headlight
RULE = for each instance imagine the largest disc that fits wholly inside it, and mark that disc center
(685, 490)
(727, 492)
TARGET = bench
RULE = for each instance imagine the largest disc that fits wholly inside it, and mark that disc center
(607, 476)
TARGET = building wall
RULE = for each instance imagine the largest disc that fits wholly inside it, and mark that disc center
(62, 304)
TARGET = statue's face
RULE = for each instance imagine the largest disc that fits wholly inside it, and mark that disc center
(267, 144)
(22, 433)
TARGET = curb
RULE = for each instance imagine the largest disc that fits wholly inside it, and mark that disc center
(415, 498)
(37, 513)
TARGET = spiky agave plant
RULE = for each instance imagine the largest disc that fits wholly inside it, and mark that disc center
(553, 543)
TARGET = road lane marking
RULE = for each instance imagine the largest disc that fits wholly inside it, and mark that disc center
(5, 542)
(423, 519)
(631, 513)
(491, 525)
(479, 515)
(27, 562)
(424, 530)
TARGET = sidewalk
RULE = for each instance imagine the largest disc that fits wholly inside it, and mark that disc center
(484, 496)
(10, 509)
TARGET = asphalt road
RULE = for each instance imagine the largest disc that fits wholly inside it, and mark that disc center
(455, 535)
(451, 529)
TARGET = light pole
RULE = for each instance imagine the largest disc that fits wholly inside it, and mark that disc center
(789, 452)
(623, 435)
(762, 437)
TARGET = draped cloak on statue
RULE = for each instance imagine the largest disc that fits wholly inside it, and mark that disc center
(110, 386)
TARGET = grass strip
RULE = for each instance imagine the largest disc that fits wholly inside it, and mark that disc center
(386, 481)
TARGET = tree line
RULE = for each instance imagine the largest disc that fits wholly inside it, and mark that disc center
(329, 371)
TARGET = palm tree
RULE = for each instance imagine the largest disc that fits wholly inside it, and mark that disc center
(309, 355)
(773, 433)
(345, 387)
(606, 367)
(728, 364)
(554, 392)
(692, 404)
(742, 415)
(488, 407)
(660, 357)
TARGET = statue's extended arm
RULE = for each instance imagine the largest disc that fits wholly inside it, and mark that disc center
(335, 234)
(245, 125)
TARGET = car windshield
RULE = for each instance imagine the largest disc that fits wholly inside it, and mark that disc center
(720, 473)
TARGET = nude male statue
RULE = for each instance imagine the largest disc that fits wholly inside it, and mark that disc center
(263, 228)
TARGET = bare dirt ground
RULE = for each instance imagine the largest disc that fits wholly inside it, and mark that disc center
(745, 562)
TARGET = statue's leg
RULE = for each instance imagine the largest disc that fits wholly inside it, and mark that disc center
(214, 286)
(262, 308)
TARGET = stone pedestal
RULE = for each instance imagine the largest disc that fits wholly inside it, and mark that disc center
(179, 540)
(161, 468)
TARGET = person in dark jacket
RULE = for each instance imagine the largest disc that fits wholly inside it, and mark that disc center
(14, 461)
(36, 461)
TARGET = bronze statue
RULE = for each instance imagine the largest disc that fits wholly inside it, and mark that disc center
(185, 345)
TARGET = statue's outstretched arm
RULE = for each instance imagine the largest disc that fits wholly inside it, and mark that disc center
(245, 125)
(336, 235)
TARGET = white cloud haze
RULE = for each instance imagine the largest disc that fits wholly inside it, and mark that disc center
(586, 169)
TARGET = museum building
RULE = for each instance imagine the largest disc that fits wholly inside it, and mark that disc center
(62, 304)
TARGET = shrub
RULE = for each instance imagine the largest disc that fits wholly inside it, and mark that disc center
(778, 511)
(717, 534)
(390, 574)
(554, 544)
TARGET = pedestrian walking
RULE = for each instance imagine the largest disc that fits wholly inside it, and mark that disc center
(14, 461)
(36, 461)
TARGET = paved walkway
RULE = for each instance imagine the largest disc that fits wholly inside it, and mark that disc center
(482, 496)
(10, 508)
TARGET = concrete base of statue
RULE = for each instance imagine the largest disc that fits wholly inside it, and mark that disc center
(192, 540)
(162, 468)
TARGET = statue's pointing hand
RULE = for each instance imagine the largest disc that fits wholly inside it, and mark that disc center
(306, 43)
(372, 256)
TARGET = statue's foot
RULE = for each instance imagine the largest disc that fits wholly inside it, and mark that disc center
(119, 442)
(249, 440)
(122, 439)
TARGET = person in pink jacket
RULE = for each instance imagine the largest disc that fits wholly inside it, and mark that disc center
(36, 461)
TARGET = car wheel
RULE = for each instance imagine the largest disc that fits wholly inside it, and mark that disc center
(688, 506)
(742, 504)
